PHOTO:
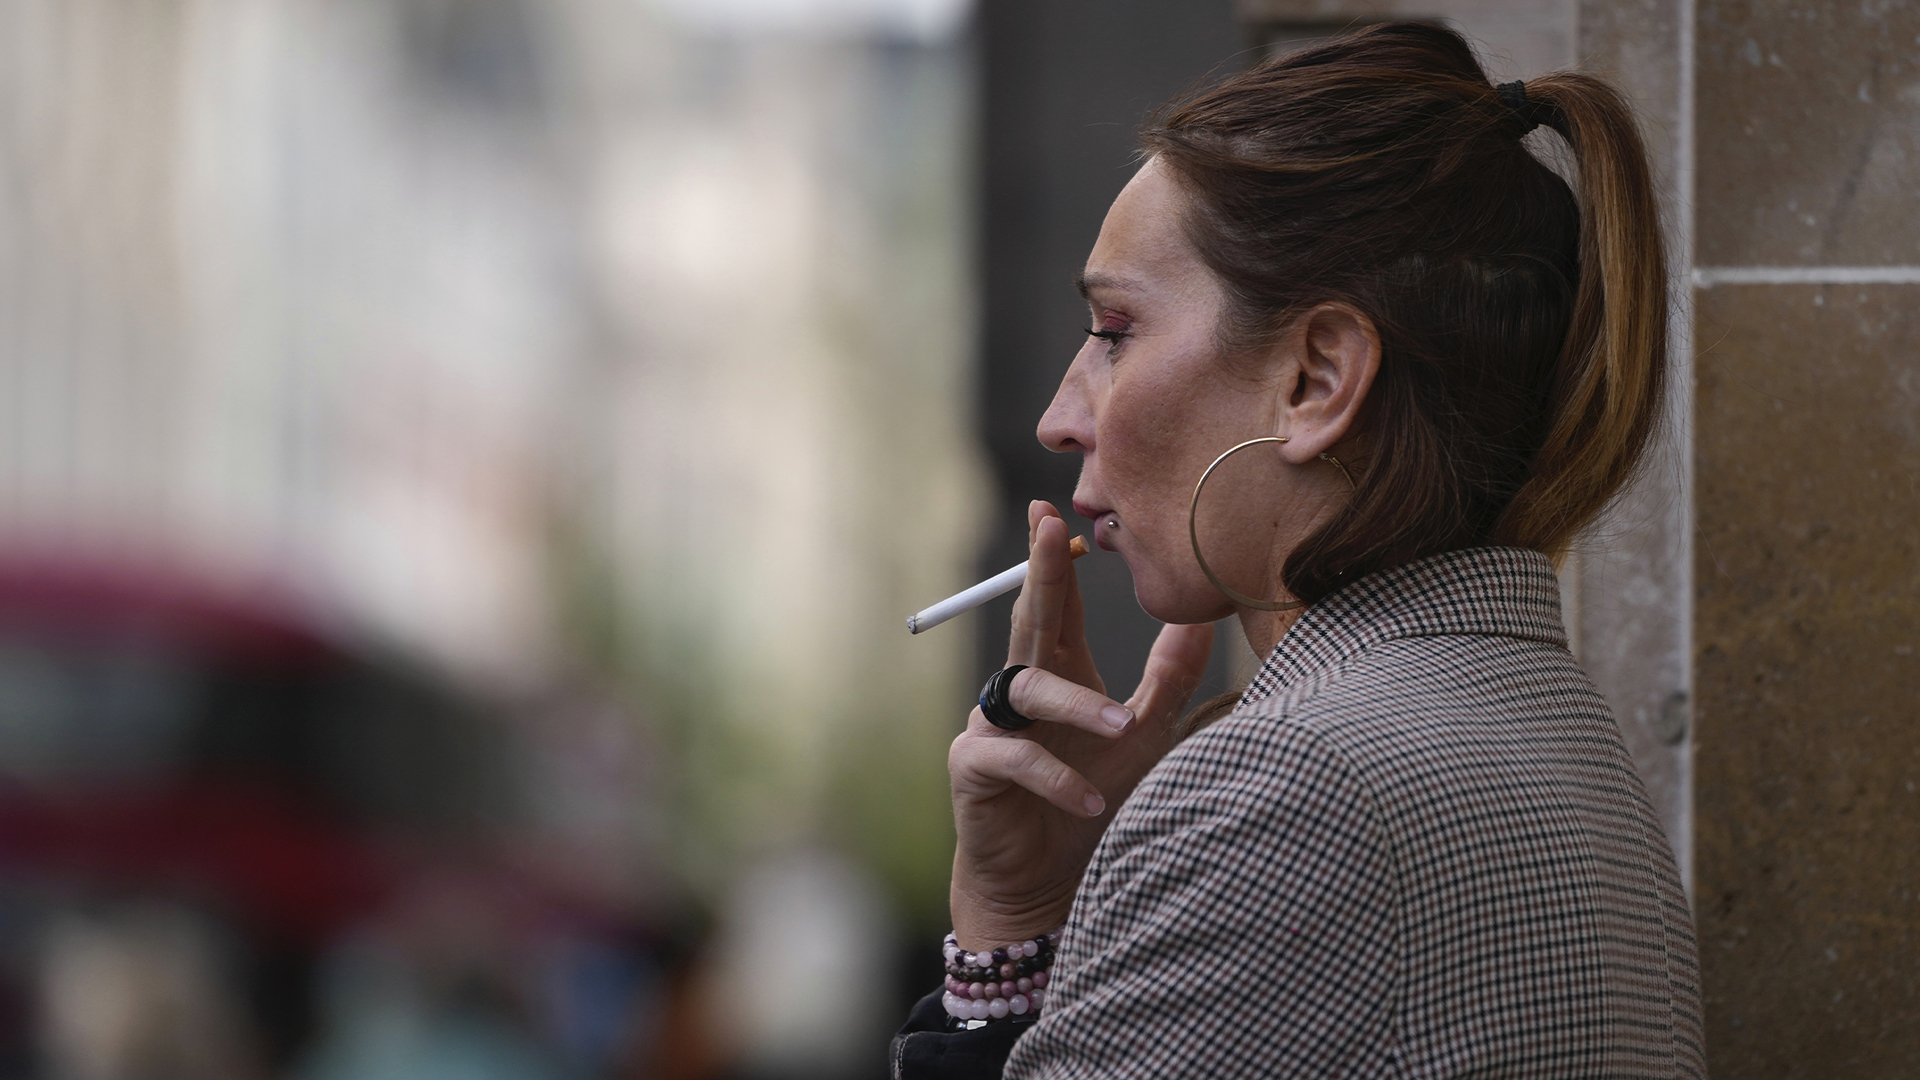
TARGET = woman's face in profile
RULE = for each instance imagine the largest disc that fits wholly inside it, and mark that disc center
(1149, 403)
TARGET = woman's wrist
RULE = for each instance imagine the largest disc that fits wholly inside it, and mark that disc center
(983, 924)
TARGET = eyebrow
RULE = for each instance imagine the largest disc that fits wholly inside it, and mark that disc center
(1088, 282)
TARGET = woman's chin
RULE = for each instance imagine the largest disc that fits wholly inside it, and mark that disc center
(1177, 602)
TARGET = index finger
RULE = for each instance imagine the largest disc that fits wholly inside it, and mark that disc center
(1037, 614)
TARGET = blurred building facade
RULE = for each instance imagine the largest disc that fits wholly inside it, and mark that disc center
(582, 376)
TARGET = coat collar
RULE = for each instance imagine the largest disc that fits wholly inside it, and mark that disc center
(1504, 592)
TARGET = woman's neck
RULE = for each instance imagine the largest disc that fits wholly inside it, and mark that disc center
(1264, 629)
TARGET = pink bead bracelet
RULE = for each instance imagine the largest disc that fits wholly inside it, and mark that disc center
(1010, 981)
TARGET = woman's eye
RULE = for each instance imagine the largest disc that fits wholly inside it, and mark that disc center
(1111, 330)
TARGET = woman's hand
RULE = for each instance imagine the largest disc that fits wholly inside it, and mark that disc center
(1029, 806)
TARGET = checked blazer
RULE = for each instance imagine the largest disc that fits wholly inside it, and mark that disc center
(1416, 848)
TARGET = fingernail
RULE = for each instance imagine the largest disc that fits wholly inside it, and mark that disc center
(1117, 717)
(1095, 804)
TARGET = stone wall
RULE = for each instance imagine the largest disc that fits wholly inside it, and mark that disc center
(1807, 621)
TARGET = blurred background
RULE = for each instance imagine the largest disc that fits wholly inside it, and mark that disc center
(465, 466)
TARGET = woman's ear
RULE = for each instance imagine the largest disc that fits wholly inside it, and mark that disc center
(1336, 354)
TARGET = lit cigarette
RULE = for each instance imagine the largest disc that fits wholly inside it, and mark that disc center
(961, 602)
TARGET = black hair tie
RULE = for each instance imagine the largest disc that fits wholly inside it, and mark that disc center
(1530, 112)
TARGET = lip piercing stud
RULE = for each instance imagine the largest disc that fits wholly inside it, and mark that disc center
(1113, 523)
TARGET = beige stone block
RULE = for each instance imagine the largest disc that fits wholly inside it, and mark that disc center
(1808, 115)
(1807, 679)
(1635, 44)
(1629, 609)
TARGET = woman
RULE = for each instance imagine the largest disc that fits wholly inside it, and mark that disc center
(1410, 366)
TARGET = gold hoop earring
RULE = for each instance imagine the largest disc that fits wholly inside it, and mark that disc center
(1335, 462)
(1193, 528)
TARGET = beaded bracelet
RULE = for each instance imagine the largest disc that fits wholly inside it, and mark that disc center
(1008, 982)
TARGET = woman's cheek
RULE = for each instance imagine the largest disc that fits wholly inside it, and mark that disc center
(1159, 561)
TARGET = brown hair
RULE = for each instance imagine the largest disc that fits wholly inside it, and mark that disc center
(1522, 327)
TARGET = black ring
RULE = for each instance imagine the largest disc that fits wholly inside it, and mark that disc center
(994, 704)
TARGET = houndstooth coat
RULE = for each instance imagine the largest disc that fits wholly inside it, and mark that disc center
(1417, 848)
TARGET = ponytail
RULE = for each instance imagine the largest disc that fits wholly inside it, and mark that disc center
(1610, 376)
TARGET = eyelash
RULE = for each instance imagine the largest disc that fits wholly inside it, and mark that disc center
(1113, 338)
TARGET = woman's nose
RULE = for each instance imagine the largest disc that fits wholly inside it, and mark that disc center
(1067, 425)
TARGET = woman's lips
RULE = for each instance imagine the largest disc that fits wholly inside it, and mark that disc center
(1104, 523)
